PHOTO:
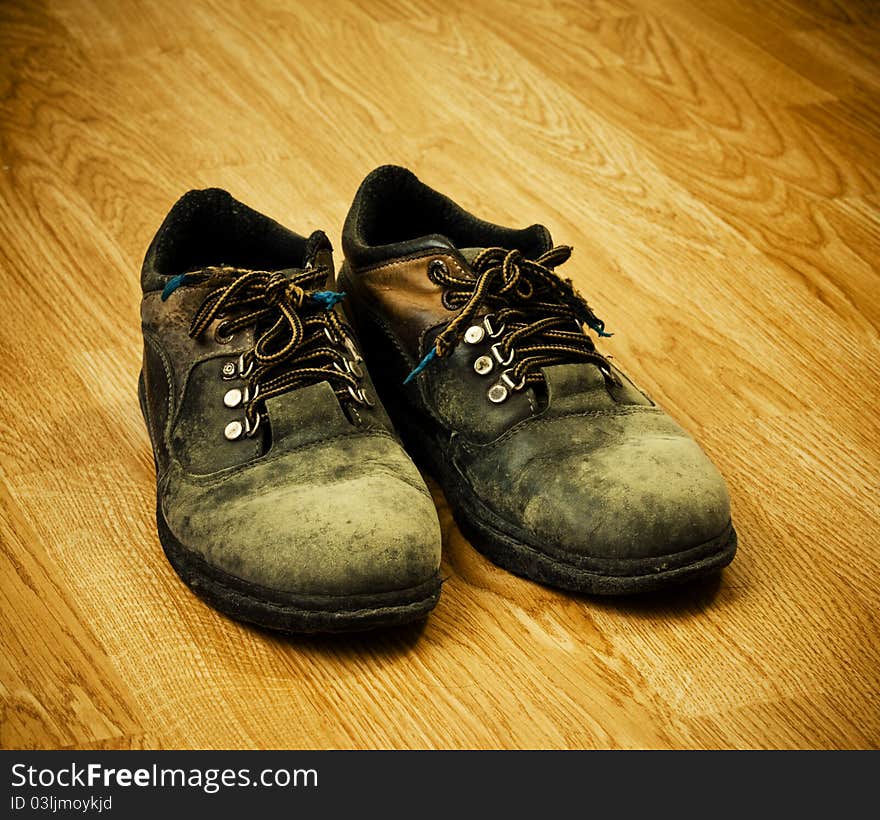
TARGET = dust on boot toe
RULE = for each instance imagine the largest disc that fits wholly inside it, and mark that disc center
(284, 497)
(556, 465)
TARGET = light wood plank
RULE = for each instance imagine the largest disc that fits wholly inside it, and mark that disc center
(715, 166)
(57, 685)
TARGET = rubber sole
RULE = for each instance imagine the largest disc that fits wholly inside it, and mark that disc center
(289, 612)
(286, 611)
(501, 544)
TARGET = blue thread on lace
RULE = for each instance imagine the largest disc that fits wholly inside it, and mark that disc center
(327, 298)
(173, 284)
(429, 357)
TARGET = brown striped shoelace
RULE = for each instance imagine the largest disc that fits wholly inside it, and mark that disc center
(299, 338)
(538, 317)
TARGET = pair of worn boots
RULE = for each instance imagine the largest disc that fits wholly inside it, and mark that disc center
(284, 409)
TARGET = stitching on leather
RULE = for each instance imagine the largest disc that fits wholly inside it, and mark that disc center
(157, 349)
(399, 259)
(373, 314)
(527, 424)
(461, 270)
(213, 479)
(319, 613)
(383, 327)
(389, 334)
(148, 417)
(424, 333)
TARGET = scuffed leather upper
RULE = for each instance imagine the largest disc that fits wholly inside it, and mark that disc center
(584, 469)
(340, 516)
(320, 502)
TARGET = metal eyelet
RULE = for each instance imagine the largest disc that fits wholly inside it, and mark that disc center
(505, 377)
(233, 430)
(229, 370)
(496, 352)
(220, 337)
(360, 396)
(494, 332)
(436, 267)
(352, 350)
(242, 373)
(237, 429)
(497, 393)
(236, 396)
(350, 366)
(331, 336)
(483, 365)
(250, 431)
(474, 335)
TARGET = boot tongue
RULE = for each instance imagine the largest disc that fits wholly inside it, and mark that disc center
(470, 254)
(316, 243)
(532, 241)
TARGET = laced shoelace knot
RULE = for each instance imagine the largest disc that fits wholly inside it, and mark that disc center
(536, 316)
(298, 338)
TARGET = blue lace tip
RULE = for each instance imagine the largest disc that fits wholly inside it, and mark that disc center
(327, 298)
(172, 285)
(599, 327)
(429, 357)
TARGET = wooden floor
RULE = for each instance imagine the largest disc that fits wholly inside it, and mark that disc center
(715, 163)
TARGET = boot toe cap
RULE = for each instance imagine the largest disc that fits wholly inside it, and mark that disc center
(348, 530)
(641, 498)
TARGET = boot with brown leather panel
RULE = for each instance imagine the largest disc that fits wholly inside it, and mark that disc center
(555, 464)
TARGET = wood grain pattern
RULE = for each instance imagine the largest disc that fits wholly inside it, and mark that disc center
(715, 165)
